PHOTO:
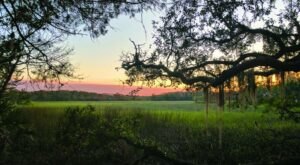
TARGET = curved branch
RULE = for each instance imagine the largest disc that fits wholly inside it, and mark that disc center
(264, 32)
(260, 61)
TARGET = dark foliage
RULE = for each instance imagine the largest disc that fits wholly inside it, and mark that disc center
(82, 136)
(32, 34)
(286, 107)
(205, 43)
(85, 96)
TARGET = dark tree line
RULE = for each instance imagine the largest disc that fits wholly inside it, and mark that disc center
(86, 96)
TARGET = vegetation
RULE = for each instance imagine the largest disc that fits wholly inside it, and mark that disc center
(85, 96)
(153, 132)
(288, 108)
(97, 134)
(206, 45)
(210, 45)
(118, 105)
(33, 33)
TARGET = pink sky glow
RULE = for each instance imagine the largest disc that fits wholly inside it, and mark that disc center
(95, 60)
(102, 88)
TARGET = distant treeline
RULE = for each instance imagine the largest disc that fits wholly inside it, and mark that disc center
(172, 96)
(86, 96)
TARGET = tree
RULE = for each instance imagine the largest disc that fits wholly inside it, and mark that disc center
(33, 32)
(203, 43)
(32, 35)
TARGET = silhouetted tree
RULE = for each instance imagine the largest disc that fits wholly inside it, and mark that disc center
(204, 43)
(33, 32)
(198, 37)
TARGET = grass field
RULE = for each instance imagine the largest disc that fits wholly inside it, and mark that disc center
(180, 112)
(122, 105)
(177, 128)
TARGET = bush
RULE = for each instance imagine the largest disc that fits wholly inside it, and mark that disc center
(13, 133)
(84, 138)
(286, 107)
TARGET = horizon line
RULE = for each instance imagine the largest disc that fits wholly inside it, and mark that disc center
(100, 88)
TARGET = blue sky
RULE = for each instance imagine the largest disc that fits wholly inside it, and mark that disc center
(96, 59)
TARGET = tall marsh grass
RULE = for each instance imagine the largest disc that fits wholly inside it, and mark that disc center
(177, 129)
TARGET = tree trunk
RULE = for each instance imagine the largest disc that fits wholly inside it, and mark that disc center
(252, 88)
(282, 85)
(228, 85)
(229, 100)
(221, 97)
(10, 71)
(220, 120)
(269, 78)
(206, 99)
(241, 92)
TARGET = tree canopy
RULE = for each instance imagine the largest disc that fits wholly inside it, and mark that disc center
(206, 42)
(33, 32)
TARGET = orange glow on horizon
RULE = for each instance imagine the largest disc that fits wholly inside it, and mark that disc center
(101, 88)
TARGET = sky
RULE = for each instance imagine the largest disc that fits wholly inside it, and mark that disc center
(96, 60)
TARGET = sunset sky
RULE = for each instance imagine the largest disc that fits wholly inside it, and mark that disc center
(96, 59)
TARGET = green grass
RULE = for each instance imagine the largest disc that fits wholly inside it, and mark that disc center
(44, 115)
(179, 128)
(183, 112)
(127, 105)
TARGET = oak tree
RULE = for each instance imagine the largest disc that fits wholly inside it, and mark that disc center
(204, 43)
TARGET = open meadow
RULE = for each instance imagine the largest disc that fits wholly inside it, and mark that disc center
(148, 132)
